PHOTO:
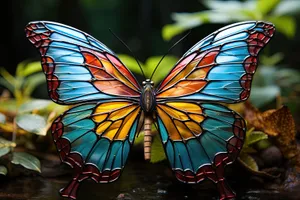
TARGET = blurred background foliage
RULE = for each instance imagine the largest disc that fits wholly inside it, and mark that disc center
(149, 28)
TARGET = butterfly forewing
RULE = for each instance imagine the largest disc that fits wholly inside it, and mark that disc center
(220, 67)
(79, 68)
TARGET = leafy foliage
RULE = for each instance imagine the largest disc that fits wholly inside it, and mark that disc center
(277, 123)
(157, 150)
(165, 66)
(23, 115)
(277, 11)
(28, 77)
(26, 160)
(3, 170)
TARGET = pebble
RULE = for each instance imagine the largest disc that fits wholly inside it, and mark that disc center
(124, 196)
(161, 191)
(271, 156)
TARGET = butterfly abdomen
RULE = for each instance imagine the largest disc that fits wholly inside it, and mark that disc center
(148, 103)
(147, 137)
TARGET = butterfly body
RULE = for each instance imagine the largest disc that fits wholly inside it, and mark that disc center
(200, 136)
(148, 101)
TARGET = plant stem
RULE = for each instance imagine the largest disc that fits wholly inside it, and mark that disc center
(15, 129)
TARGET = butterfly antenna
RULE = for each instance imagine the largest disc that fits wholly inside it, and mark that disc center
(169, 52)
(129, 50)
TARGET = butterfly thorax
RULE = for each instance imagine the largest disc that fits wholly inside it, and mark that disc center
(148, 97)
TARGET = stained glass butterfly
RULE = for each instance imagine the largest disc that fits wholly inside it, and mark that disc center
(199, 135)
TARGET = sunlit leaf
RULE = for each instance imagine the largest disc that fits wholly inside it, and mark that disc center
(5, 146)
(263, 95)
(248, 161)
(263, 144)
(31, 123)
(171, 30)
(165, 66)
(284, 24)
(25, 69)
(36, 104)
(255, 136)
(26, 160)
(131, 63)
(265, 6)
(157, 150)
(6, 143)
(3, 170)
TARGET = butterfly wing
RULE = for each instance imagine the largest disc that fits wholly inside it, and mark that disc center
(219, 67)
(200, 139)
(95, 139)
(77, 66)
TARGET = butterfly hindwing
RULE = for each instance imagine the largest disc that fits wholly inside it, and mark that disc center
(95, 139)
(78, 67)
(200, 139)
(219, 67)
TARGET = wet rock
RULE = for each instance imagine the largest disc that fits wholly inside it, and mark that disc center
(161, 191)
(259, 161)
(271, 156)
(124, 196)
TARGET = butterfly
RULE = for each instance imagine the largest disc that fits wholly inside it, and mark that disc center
(199, 134)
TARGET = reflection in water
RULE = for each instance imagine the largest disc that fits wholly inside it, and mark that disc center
(140, 180)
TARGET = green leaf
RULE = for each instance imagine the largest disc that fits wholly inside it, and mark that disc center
(31, 105)
(2, 118)
(165, 66)
(7, 76)
(5, 146)
(31, 123)
(247, 149)
(25, 69)
(157, 150)
(9, 105)
(6, 84)
(263, 144)
(32, 82)
(171, 30)
(26, 160)
(266, 6)
(5, 143)
(263, 95)
(284, 24)
(4, 151)
(3, 170)
(131, 63)
(272, 60)
(255, 136)
(248, 161)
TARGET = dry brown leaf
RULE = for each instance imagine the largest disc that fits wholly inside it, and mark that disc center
(277, 123)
